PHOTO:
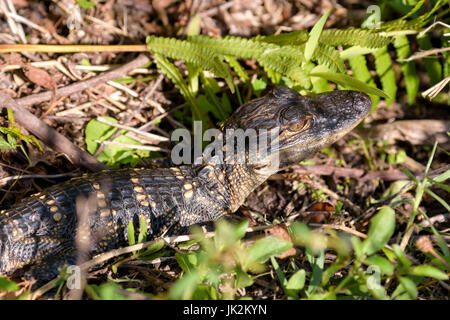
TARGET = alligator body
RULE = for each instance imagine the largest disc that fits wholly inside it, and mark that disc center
(91, 213)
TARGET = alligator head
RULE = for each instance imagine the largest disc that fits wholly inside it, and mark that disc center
(299, 125)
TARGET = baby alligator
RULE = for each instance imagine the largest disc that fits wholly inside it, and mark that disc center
(42, 233)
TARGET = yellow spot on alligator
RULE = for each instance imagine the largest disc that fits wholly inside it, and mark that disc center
(179, 177)
(102, 203)
(219, 197)
(141, 196)
(153, 204)
(50, 202)
(42, 197)
(54, 209)
(100, 195)
(144, 203)
(135, 180)
(187, 186)
(188, 194)
(57, 217)
(114, 212)
(96, 186)
(138, 189)
(104, 212)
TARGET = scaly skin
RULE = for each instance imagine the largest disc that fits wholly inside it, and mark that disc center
(42, 233)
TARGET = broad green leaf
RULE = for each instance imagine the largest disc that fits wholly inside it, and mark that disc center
(314, 36)
(350, 82)
(243, 279)
(296, 281)
(188, 261)
(381, 229)
(409, 286)
(96, 130)
(8, 285)
(194, 26)
(429, 271)
(264, 248)
(383, 264)
(185, 287)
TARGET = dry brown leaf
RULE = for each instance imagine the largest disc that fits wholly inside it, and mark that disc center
(281, 232)
(39, 77)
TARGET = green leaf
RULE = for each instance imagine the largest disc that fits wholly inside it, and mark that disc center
(142, 237)
(429, 271)
(86, 4)
(193, 53)
(384, 69)
(403, 261)
(4, 145)
(8, 285)
(409, 286)
(383, 264)
(358, 64)
(96, 130)
(185, 287)
(279, 273)
(130, 233)
(264, 248)
(401, 44)
(314, 36)
(188, 261)
(296, 281)
(243, 279)
(350, 82)
(381, 229)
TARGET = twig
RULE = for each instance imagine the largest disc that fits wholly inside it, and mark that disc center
(87, 84)
(132, 146)
(50, 136)
(150, 136)
(40, 176)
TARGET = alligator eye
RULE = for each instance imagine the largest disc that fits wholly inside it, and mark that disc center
(301, 125)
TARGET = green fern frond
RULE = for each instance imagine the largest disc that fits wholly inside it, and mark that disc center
(298, 37)
(286, 66)
(184, 50)
(401, 25)
(172, 72)
(232, 46)
(329, 56)
(285, 60)
(354, 37)
(383, 67)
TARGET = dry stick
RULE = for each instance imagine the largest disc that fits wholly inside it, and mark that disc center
(50, 136)
(87, 84)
